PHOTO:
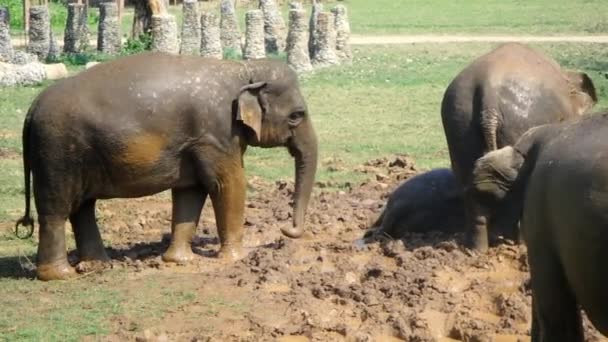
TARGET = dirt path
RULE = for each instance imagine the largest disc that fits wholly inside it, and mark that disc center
(425, 38)
(411, 39)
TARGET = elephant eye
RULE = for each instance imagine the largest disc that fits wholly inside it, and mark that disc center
(295, 118)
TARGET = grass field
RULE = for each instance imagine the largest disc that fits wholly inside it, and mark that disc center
(387, 101)
(546, 17)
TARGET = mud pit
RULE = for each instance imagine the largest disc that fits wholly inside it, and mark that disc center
(327, 286)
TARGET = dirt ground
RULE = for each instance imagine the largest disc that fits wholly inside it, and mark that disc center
(329, 285)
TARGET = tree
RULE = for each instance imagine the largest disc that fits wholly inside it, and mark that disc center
(142, 16)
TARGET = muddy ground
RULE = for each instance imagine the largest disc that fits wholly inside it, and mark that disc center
(327, 286)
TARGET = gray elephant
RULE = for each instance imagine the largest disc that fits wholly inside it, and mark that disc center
(431, 200)
(493, 101)
(146, 123)
(556, 180)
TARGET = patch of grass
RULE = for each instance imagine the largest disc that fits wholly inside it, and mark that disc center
(478, 16)
(59, 311)
(68, 311)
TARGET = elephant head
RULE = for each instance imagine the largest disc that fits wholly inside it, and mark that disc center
(500, 177)
(273, 109)
(582, 91)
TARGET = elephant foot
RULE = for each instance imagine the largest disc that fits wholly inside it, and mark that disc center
(178, 255)
(88, 266)
(99, 256)
(58, 270)
(231, 253)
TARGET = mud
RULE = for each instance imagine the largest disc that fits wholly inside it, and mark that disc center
(329, 285)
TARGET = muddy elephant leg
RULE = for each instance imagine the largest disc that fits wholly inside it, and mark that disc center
(477, 226)
(86, 232)
(187, 206)
(557, 315)
(52, 260)
(229, 207)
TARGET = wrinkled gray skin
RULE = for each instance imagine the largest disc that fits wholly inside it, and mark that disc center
(431, 200)
(556, 180)
(492, 102)
(150, 122)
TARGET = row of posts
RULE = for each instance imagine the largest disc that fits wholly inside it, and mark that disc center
(321, 41)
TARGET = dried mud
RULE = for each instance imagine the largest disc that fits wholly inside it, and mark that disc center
(328, 285)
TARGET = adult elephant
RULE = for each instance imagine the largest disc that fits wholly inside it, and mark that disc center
(557, 176)
(493, 101)
(146, 123)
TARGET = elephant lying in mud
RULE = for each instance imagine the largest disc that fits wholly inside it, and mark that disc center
(146, 123)
(493, 101)
(431, 200)
(556, 179)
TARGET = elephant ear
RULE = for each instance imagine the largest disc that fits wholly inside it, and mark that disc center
(583, 90)
(250, 111)
(495, 173)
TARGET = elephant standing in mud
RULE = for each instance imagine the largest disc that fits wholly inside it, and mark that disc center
(555, 178)
(431, 200)
(146, 123)
(492, 102)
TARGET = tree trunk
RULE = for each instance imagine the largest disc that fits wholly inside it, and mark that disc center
(142, 16)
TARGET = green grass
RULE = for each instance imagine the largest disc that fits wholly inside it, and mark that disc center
(479, 16)
(68, 311)
(387, 101)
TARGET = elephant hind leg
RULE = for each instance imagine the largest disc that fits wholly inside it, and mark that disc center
(88, 239)
(556, 316)
(187, 206)
(52, 262)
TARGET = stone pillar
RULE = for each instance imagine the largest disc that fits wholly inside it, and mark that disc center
(211, 45)
(191, 29)
(108, 30)
(6, 48)
(325, 54)
(342, 33)
(229, 28)
(312, 29)
(54, 51)
(76, 36)
(40, 32)
(297, 41)
(164, 33)
(274, 27)
(254, 35)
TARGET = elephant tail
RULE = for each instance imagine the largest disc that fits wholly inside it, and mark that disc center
(26, 221)
(489, 118)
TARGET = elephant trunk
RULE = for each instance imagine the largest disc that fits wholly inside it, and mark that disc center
(303, 147)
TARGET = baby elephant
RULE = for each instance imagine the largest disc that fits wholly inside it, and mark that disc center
(432, 200)
(556, 179)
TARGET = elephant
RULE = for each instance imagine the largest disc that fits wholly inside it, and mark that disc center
(492, 102)
(146, 123)
(431, 200)
(555, 180)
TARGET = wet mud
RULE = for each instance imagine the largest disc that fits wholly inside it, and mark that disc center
(329, 285)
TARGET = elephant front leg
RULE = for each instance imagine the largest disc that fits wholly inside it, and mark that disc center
(477, 226)
(229, 206)
(187, 206)
(52, 260)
